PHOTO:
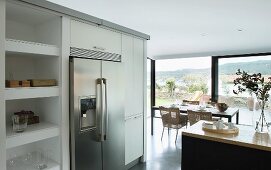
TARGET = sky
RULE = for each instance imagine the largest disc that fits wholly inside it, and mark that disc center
(184, 63)
(242, 59)
(200, 62)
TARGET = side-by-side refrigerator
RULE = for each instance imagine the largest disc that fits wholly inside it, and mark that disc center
(96, 110)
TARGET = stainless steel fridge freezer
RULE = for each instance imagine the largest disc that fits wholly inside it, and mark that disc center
(97, 113)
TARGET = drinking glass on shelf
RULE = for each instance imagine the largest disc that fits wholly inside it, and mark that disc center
(41, 159)
(28, 159)
(19, 122)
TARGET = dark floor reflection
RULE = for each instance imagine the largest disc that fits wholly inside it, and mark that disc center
(162, 155)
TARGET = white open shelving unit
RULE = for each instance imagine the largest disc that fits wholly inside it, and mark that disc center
(33, 133)
(31, 92)
(32, 48)
(19, 46)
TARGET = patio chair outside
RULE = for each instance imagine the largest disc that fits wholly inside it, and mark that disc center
(196, 96)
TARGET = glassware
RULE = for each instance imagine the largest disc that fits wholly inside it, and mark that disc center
(19, 122)
(28, 159)
(41, 159)
(202, 105)
(12, 162)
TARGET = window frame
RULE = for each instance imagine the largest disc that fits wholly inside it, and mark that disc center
(214, 73)
(215, 67)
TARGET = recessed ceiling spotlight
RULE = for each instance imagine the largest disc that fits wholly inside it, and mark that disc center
(239, 30)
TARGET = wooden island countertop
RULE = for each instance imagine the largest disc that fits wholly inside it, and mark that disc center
(247, 137)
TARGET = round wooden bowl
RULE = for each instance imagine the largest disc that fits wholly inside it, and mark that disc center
(222, 107)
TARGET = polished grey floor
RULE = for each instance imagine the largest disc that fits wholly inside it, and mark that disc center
(161, 155)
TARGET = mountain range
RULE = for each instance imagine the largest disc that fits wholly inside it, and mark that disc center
(261, 66)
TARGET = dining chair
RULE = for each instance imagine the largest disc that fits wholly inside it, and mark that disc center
(197, 95)
(195, 116)
(172, 119)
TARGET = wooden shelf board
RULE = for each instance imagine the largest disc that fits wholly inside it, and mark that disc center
(33, 133)
(31, 92)
(19, 46)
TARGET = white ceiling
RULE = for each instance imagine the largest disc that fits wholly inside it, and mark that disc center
(180, 28)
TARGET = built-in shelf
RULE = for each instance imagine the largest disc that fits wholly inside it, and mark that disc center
(19, 46)
(51, 165)
(33, 133)
(31, 92)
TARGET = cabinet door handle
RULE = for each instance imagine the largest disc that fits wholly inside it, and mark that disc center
(99, 48)
(133, 117)
(137, 116)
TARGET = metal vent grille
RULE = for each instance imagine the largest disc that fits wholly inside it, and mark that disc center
(92, 54)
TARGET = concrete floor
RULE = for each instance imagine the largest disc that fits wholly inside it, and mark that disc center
(165, 154)
(161, 155)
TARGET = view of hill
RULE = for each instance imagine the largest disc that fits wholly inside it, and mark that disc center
(262, 66)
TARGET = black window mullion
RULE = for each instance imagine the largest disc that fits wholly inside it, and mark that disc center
(214, 79)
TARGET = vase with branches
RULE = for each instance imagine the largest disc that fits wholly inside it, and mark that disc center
(257, 84)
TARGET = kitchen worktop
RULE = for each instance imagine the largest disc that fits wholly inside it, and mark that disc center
(247, 137)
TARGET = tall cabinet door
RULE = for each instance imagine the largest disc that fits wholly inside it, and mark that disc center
(133, 51)
(127, 54)
(138, 76)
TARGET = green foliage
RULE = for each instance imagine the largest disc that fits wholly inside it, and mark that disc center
(171, 85)
(157, 86)
(195, 82)
(198, 87)
(255, 83)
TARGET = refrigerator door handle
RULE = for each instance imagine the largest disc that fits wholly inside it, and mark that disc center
(99, 110)
(102, 114)
(104, 108)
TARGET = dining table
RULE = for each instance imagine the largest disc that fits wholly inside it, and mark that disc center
(228, 114)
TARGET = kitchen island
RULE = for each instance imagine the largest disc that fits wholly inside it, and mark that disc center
(212, 151)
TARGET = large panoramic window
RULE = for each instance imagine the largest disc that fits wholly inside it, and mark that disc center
(182, 79)
(246, 102)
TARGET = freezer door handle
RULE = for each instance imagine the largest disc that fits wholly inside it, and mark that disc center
(102, 115)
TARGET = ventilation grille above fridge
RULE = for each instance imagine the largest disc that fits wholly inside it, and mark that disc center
(92, 54)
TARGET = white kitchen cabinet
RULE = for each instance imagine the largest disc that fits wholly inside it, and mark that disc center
(32, 51)
(89, 36)
(133, 57)
(127, 55)
(132, 52)
(35, 41)
(138, 76)
(133, 138)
